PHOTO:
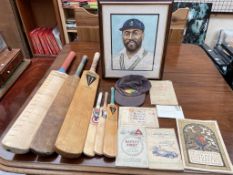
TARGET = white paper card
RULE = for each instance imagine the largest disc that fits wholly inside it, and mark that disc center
(165, 111)
(131, 147)
(142, 117)
(163, 149)
(162, 93)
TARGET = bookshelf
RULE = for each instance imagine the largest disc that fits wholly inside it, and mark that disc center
(38, 13)
(69, 12)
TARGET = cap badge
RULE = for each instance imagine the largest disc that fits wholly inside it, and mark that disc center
(131, 23)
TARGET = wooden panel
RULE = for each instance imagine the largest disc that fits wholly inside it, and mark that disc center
(178, 25)
(26, 16)
(59, 22)
(43, 13)
(9, 28)
(87, 25)
(85, 18)
(88, 33)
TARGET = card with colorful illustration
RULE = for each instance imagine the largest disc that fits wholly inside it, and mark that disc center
(202, 146)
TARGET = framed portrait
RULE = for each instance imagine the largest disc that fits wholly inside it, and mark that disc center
(3, 44)
(133, 37)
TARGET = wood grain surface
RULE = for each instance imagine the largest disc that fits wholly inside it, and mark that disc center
(200, 89)
(20, 136)
(44, 140)
(71, 138)
(110, 137)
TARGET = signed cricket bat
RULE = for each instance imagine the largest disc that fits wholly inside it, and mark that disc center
(90, 139)
(44, 140)
(99, 138)
(110, 136)
(19, 137)
(71, 138)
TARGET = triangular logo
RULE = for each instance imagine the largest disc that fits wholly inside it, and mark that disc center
(90, 79)
(138, 132)
(113, 109)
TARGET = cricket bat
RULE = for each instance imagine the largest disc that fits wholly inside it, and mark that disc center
(71, 138)
(99, 137)
(110, 136)
(91, 132)
(19, 137)
(44, 140)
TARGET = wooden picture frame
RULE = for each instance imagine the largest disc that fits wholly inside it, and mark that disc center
(133, 37)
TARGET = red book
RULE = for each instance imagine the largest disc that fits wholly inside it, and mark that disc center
(37, 41)
(54, 42)
(50, 44)
(43, 40)
(33, 41)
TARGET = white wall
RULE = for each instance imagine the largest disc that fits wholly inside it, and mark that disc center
(216, 23)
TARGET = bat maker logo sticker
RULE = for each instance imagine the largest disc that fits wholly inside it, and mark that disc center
(90, 79)
(113, 109)
(95, 116)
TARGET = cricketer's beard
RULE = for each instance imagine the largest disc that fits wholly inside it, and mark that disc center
(132, 45)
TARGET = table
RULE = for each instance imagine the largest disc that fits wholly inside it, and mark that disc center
(201, 91)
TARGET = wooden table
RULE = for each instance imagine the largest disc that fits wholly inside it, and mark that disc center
(200, 89)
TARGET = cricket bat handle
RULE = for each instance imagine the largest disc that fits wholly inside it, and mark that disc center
(81, 65)
(66, 63)
(112, 95)
(95, 62)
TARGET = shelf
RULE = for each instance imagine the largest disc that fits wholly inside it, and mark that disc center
(38, 13)
(69, 7)
(72, 30)
(67, 12)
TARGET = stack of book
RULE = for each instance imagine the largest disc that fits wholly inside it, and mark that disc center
(79, 3)
(70, 3)
(45, 41)
(71, 24)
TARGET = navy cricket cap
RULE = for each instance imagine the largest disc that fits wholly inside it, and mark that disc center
(132, 24)
(131, 90)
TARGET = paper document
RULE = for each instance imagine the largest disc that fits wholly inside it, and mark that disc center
(163, 150)
(138, 116)
(168, 111)
(202, 146)
(162, 93)
(131, 147)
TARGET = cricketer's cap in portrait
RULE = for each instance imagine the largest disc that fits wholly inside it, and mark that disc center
(132, 24)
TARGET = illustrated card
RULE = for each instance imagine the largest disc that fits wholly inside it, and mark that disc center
(202, 146)
(138, 116)
(163, 93)
(163, 150)
(131, 147)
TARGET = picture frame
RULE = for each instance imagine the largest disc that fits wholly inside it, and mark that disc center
(3, 44)
(133, 37)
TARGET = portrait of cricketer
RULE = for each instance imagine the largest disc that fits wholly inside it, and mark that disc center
(133, 56)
